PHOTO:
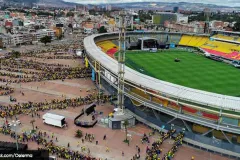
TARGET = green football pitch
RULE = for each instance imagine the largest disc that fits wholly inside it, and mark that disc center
(193, 70)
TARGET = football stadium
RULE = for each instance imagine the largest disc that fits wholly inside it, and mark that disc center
(186, 81)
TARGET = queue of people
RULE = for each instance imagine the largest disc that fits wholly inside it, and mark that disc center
(31, 108)
(5, 90)
(45, 143)
(154, 152)
(54, 56)
(42, 71)
(177, 142)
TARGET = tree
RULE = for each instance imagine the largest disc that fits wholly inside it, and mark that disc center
(46, 39)
(79, 133)
(126, 123)
(32, 122)
(70, 14)
(15, 54)
(236, 26)
(61, 14)
(102, 29)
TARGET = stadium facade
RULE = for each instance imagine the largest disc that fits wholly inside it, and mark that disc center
(211, 121)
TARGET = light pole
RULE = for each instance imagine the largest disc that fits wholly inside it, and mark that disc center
(99, 83)
(14, 125)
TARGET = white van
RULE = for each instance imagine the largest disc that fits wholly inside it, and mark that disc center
(54, 120)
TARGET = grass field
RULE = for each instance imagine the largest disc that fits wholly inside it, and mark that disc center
(194, 71)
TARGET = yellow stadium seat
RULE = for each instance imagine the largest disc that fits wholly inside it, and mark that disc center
(140, 93)
(106, 45)
(185, 40)
(224, 37)
(202, 41)
(221, 46)
(193, 41)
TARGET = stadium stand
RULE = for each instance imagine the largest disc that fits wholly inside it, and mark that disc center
(223, 49)
(185, 40)
(210, 116)
(224, 37)
(174, 106)
(141, 93)
(217, 134)
(199, 128)
(197, 41)
(202, 41)
(233, 55)
(193, 41)
(221, 46)
(108, 47)
(136, 103)
(230, 121)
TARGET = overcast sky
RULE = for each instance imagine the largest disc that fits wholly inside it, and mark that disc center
(233, 3)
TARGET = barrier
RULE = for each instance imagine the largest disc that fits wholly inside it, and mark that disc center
(83, 123)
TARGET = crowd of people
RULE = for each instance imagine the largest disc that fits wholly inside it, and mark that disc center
(22, 71)
(154, 152)
(45, 143)
(5, 90)
(177, 142)
(32, 108)
(60, 47)
(54, 55)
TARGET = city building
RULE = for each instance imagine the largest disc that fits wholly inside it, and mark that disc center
(21, 38)
(175, 9)
(182, 18)
(108, 7)
(161, 17)
(5, 41)
(36, 36)
(88, 28)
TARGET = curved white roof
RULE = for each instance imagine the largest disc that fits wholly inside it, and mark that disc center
(184, 93)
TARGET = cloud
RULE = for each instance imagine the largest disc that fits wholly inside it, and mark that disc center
(217, 2)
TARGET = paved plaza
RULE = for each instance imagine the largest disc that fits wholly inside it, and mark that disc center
(48, 90)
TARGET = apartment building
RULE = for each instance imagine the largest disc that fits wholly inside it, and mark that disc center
(23, 38)
(36, 36)
(5, 41)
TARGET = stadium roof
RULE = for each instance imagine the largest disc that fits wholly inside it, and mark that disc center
(181, 92)
(147, 38)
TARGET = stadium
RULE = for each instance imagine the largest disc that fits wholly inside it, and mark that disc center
(186, 81)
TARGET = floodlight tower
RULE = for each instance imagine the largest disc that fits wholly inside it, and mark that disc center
(207, 13)
(121, 60)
